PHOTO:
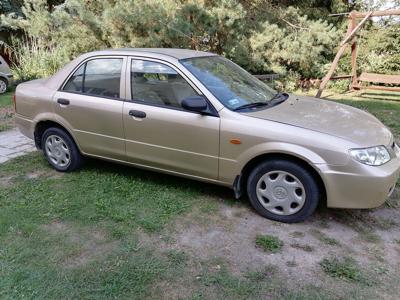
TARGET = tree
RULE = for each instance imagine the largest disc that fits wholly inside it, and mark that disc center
(274, 36)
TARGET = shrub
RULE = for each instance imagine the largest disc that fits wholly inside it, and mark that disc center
(34, 60)
(260, 40)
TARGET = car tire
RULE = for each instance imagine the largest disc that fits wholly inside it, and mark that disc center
(3, 85)
(60, 150)
(284, 191)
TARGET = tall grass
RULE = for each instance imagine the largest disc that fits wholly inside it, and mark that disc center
(33, 60)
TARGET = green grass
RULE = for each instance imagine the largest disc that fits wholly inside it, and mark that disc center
(230, 285)
(6, 99)
(344, 268)
(100, 233)
(128, 197)
(118, 201)
(269, 243)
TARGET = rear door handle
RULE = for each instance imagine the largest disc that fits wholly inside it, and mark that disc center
(137, 114)
(63, 101)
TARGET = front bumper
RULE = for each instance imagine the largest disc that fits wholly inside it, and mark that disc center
(356, 185)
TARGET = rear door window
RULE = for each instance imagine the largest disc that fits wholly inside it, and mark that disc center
(75, 83)
(97, 77)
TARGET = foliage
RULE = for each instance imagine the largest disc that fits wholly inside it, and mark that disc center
(15, 6)
(296, 39)
(263, 43)
(35, 60)
(297, 47)
(11, 6)
(380, 49)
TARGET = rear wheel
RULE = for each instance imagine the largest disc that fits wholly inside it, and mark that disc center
(3, 85)
(283, 190)
(60, 150)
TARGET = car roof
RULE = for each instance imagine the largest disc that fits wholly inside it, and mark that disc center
(172, 52)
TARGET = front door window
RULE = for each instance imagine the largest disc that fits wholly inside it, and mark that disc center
(157, 83)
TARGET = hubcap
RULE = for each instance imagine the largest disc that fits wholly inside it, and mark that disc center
(281, 193)
(58, 151)
(3, 87)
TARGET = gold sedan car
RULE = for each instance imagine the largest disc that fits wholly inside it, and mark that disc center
(198, 115)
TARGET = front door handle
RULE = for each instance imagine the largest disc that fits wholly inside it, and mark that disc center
(63, 101)
(137, 114)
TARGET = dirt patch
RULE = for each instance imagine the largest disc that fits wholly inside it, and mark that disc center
(35, 175)
(231, 233)
(44, 174)
(85, 244)
(6, 181)
(91, 251)
(234, 239)
(226, 240)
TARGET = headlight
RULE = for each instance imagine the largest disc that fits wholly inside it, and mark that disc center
(373, 156)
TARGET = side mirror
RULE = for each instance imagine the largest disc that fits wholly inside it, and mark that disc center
(195, 103)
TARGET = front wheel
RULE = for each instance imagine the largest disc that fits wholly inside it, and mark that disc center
(60, 150)
(283, 190)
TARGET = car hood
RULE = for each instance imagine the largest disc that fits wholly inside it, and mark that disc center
(328, 117)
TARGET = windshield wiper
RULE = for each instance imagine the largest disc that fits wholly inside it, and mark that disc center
(279, 98)
(251, 105)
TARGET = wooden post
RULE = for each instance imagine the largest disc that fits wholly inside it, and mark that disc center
(351, 32)
(334, 64)
(354, 79)
(379, 13)
(356, 28)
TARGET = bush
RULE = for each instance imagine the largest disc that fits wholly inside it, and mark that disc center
(36, 61)
(340, 86)
(260, 42)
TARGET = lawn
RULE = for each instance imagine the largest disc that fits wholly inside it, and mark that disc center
(110, 231)
(6, 111)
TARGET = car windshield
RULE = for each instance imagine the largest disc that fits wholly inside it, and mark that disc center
(229, 83)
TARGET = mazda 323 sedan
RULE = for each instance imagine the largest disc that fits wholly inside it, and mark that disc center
(198, 115)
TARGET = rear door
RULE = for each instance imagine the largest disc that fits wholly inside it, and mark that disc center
(90, 104)
(159, 132)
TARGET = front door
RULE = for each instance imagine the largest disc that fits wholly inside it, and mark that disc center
(90, 104)
(159, 133)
